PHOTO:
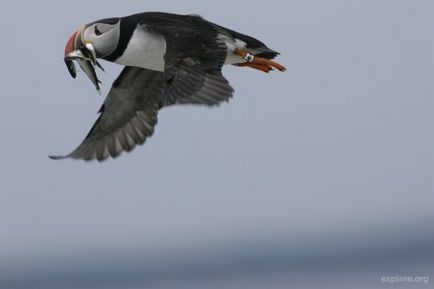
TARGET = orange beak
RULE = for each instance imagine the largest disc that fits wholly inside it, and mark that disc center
(70, 45)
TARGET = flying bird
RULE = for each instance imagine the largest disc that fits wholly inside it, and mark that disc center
(169, 59)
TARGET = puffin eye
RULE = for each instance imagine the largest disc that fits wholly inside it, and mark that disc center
(97, 31)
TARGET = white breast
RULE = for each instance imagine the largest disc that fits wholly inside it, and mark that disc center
(144, 50)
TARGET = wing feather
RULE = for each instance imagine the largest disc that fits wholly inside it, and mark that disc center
(193, 60)
(127, 117)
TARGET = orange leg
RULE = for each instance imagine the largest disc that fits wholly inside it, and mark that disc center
(260, 63)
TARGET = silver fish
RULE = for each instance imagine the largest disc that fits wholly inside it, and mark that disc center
(86, 59)
(87, 67)
(71, 67)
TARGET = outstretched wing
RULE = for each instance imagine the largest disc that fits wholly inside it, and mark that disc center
(127, 117)
(193, 61)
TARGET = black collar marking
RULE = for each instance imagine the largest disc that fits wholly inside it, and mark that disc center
(126, 31)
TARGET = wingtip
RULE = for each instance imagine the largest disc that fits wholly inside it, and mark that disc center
(75, 158)
(57, 157)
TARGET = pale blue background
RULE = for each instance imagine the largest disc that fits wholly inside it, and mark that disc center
(320, 177)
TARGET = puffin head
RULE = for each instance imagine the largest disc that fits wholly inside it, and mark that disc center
(95, 40)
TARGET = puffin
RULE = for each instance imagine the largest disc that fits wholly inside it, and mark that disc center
(168, 59)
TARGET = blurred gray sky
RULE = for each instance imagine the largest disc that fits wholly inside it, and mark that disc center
(341, 145)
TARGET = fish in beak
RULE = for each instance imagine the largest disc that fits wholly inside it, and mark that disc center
(85, 55)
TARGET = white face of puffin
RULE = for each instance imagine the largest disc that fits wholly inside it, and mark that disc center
(104, 37)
